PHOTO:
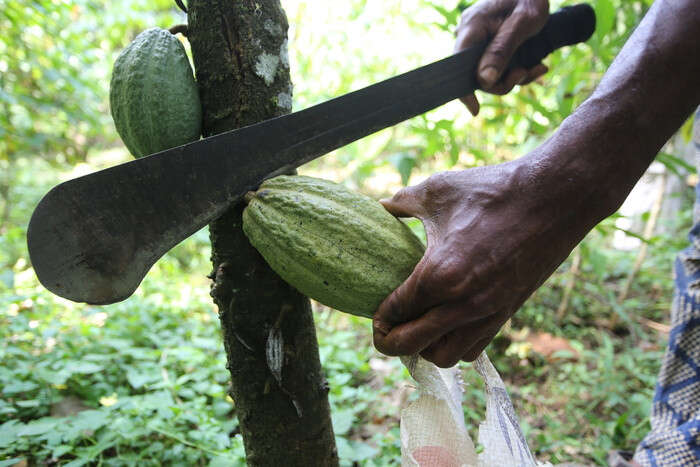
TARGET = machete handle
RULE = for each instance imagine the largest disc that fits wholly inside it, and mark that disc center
(567, 26)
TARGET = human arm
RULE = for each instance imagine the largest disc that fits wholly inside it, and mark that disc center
(496, 233)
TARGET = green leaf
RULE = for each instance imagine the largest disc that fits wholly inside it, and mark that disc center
(83, 367)
(9, 431)
(28, 403)
(404, 164)
(11, 462)
(77, 463)
(7, 278)
(362, 451)
(687, 129)
(138, 378)
(53, 377)
(342, 421)
(90, 419)
(344, 448)
(674, 164)
(605, 18)
(60, 450)
(39, 427)
(17, 387)
(222, 461)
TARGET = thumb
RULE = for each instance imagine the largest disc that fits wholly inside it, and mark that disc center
(407, 202)
(515, 30)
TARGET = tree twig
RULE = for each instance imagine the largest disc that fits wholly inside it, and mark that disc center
(648, 232)
(181, 5)
(573, 273)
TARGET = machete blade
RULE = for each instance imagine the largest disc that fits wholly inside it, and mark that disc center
(94, 238)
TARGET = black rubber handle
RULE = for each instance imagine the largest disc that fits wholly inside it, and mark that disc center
(569, 25)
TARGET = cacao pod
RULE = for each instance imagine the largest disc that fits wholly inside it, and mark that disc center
(153, 95)
(339, 247)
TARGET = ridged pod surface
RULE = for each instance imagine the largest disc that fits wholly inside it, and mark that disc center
(339, 247)
(153, 95)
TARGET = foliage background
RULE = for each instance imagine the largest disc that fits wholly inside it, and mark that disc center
(144, 381)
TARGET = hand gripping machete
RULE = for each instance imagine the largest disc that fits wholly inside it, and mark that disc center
(93, 239)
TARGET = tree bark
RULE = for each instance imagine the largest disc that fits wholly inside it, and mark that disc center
(240, 57)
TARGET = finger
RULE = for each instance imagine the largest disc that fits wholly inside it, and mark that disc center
(449, 349)
(473, 352)
(472, 104)
(534, 73)
(446, 351)
(513, 78)
(408, 301)
(473, 29)
(518, 27)
(517, 76)
(407, 202)
(413, 336)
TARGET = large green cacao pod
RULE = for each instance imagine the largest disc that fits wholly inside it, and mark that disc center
(153, 95)
(336, 246)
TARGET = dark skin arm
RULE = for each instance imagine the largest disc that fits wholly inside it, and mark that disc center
(495, 234)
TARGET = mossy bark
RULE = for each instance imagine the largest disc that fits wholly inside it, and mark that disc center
(240, 56)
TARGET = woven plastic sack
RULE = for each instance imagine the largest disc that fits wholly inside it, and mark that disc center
(433, 432)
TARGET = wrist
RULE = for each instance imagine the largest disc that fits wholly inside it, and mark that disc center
(599, 152)
(574, 176)
(594, 159)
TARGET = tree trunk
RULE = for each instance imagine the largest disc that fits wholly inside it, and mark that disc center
(242, 69)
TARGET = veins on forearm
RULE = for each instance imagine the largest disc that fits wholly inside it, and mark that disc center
(602, 149)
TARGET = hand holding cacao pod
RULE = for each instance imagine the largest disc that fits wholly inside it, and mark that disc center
(493, 239)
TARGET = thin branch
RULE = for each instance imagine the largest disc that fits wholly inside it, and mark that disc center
(648, 232)
(181, 5)
(573, 273)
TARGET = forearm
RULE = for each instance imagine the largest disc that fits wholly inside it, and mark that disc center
(602, 149)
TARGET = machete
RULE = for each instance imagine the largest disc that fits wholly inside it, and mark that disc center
(93, 239)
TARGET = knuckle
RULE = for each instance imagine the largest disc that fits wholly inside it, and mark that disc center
(383, 347)
(528, 15)
(401, 196)
(470, 14)
(437, 184)
(430, 278)
(390, 310)
(380, 328)
(410, 195)
(403, 347)
(448, 277)
(498, 50)
(403, 193)
(532, 15)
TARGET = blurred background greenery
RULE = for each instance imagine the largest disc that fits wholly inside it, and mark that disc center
(144, 381)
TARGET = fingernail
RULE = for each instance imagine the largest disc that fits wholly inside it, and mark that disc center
(489, 76)
(382, 327)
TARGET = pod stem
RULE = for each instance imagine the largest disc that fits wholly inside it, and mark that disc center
(248, 197)
(181, 28)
